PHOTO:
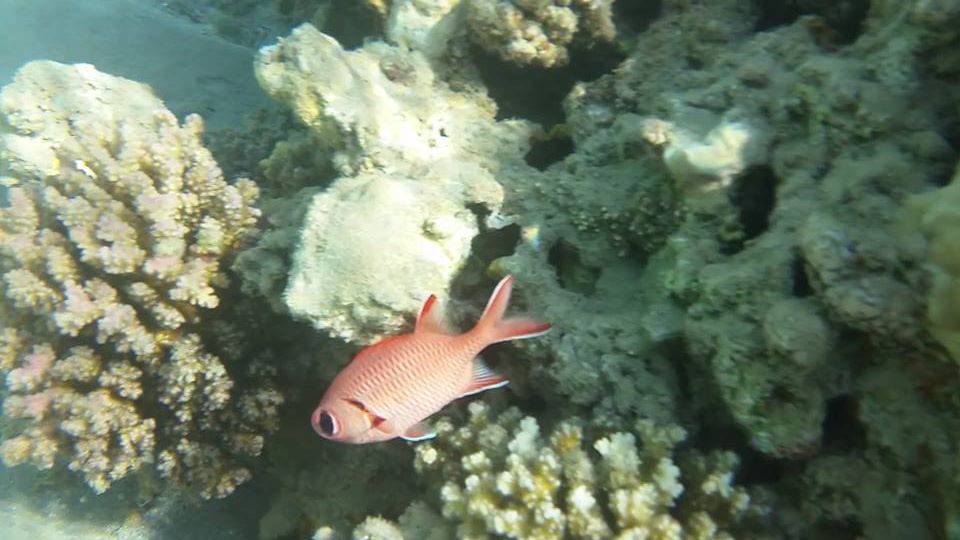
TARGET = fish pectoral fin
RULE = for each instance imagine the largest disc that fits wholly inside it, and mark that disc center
(483, 378)
(420, 431)
(430, 320)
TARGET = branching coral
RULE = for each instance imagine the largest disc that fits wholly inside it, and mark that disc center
(502, 477)
(110, 250)
(538, 31)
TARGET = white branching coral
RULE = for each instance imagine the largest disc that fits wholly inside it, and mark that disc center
(110, 250)
(500, 476)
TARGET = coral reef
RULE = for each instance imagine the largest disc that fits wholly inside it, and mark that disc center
(111, 249)
(733, 266)
(290, 165)
(538, 32)
(796, 306)
(499, 476)
(263, 268)
(716, 251)
(413, 157)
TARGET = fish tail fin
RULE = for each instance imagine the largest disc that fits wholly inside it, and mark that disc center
(496, 328)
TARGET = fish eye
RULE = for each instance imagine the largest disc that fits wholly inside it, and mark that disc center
(328, 424)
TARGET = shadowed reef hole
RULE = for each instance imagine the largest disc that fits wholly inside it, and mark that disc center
(549, 148)
(492, 244)
(536, 93)
(841, 425)
(572, 274)
(801, 283)
(755, 195)
(634, 16)
(833, 23)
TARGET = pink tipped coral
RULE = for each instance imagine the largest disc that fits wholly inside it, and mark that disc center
(30, 374)
(109, 254)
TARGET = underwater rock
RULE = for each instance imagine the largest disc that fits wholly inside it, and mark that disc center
(414, 158)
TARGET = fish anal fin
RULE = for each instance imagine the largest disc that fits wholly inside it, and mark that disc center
(420, 431)
(483, 378)
(430, 319)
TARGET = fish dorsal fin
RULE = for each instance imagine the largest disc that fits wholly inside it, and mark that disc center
(420, 431)
(483, 378)
(430, 320)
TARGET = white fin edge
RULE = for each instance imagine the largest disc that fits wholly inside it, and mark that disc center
(418, 439)
(484, 389)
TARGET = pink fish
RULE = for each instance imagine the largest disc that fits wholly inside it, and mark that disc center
(392, 386)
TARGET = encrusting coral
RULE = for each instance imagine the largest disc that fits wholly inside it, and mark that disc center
(110, 250)
(501, 477)
(538, 31)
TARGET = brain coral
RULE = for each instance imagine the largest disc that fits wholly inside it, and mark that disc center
(110, 251)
